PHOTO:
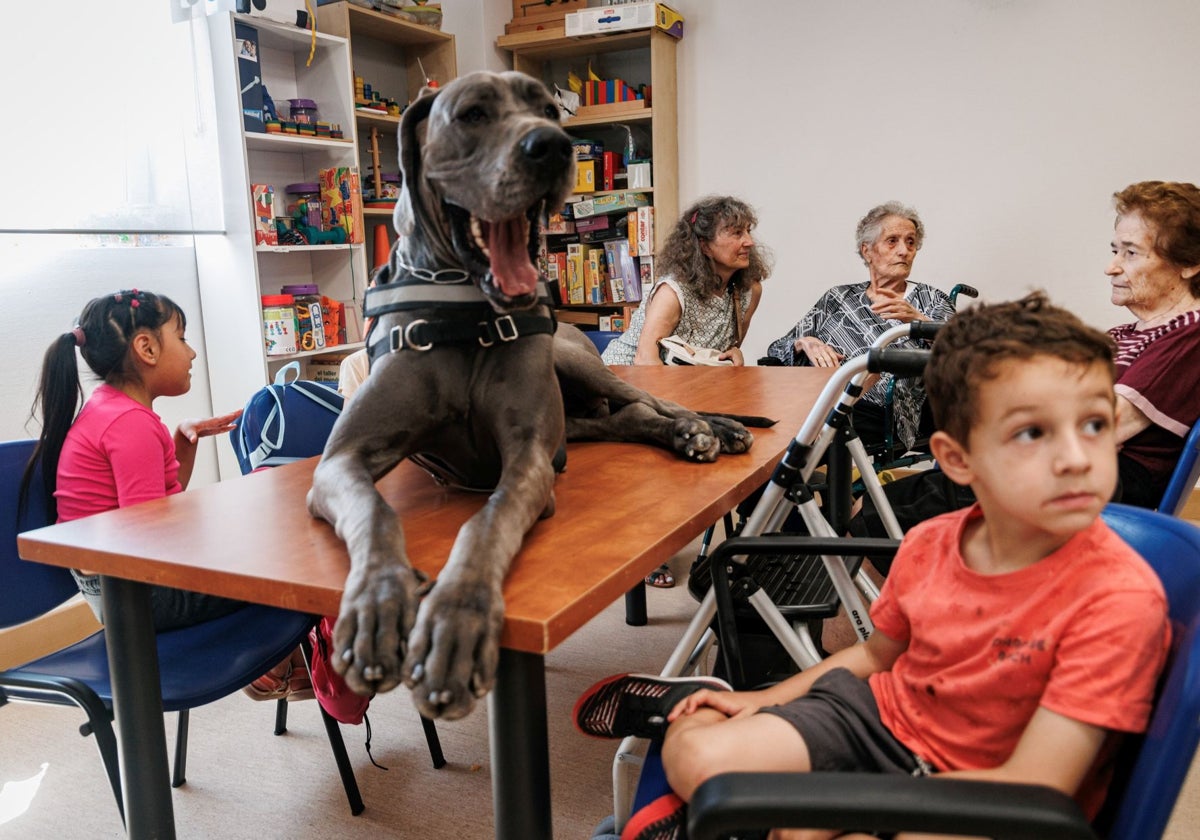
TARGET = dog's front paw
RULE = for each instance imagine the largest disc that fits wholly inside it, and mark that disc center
(694, 439)
(735, 438)
(454, 649)
(377, 612)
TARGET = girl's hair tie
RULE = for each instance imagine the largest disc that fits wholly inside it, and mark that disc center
(692, 220)
(80, 338)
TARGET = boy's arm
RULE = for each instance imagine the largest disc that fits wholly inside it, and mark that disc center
(1054, 750)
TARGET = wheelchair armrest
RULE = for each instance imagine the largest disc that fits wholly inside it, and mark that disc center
(795, 544)
(870, 802)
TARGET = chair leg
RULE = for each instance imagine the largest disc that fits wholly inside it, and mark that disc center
(435, 743)
(345, 769)
(106, 742)
(281, 710)
(336, 743)
(178, 777)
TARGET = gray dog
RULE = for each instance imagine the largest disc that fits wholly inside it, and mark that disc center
(473, 380)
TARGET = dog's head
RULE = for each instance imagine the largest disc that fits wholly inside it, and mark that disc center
(481, 160)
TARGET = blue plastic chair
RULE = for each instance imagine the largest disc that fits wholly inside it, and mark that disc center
(198, 664)
(601, 338)
(1139, 805)
(1183, 479)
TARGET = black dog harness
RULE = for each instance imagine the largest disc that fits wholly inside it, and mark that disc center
(464, 315)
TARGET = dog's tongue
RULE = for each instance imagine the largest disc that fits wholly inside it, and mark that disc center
(508, 245)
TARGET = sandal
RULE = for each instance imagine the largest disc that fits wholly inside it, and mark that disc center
(661, 578)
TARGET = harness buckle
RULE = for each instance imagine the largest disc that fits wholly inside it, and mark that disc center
(403, 337)
(503, 328)
(509, 332)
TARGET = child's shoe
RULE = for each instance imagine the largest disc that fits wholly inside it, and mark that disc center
(272, 685)
(663, 819)
(635, 704)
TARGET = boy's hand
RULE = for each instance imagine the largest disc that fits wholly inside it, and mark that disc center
(729, 703)
(193, 430)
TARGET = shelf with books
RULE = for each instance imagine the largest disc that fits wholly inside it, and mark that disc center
(642, 132)
(396, 57)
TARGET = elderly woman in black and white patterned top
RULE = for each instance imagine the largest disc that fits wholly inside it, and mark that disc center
(709, 282)
(847, 319)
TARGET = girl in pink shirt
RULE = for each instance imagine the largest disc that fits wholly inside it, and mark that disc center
(116, 451)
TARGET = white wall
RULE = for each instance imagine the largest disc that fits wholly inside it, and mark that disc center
(1008, 124)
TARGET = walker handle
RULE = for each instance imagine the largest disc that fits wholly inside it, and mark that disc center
(897, 361)
(925, 329)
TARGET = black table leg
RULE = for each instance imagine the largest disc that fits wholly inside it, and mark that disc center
(520, 748)
(137, 705)
(635, 606)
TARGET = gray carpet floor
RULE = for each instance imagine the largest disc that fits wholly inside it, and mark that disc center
(243, 782)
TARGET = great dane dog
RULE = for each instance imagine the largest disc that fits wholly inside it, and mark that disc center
(471, 378)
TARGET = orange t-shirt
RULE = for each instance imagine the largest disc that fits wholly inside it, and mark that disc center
(1082, 632)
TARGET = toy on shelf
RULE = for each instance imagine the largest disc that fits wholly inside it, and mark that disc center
(368, 99)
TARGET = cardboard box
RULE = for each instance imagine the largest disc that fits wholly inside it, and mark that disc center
(249, 77)
(614, 203)
(532, 15)
(645, 231)
(265, 232)
(585, 176)
(341, 198)
(625, 17)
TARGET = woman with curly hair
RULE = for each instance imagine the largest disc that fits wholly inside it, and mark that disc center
(710, 274)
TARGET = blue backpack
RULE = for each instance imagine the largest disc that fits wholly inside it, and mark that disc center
(287, 421)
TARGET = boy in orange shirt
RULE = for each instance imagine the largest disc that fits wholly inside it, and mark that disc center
(1012, 639)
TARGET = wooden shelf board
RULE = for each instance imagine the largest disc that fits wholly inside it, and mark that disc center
(616, 115)
(291, 142)
(394, 30)
(552, 42)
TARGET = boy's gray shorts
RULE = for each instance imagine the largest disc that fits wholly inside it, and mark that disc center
(839, 722)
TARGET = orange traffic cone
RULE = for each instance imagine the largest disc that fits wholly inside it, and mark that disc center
(382, 245)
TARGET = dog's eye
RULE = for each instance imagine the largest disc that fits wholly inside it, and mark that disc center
(474, 114)
(552, 112)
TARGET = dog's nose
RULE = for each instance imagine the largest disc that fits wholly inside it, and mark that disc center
(546, 145)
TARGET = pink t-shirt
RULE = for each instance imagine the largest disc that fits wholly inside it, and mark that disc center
(117, 453)
(1082, 632)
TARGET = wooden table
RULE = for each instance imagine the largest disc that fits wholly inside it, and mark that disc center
(622, 509)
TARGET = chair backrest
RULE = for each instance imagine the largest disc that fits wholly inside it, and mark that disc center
(1172, 547)
(26, 589)
(1183, 479)
(601, 338)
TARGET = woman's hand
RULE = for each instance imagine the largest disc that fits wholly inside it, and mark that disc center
(193, 430)
(818, 352)
(734, 353)
(892, 306)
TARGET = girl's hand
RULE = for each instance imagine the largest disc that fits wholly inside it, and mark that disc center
(193, 430)
(729, 703)
(734, 353)
(818, 352)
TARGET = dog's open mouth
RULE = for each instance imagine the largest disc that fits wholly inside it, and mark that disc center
(501, 251)
(505, 245)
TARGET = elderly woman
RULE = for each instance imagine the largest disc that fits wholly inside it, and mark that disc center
(846, 320)
(710, 274)
(1155, 274)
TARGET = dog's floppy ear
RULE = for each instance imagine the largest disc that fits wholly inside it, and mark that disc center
(409, 137)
